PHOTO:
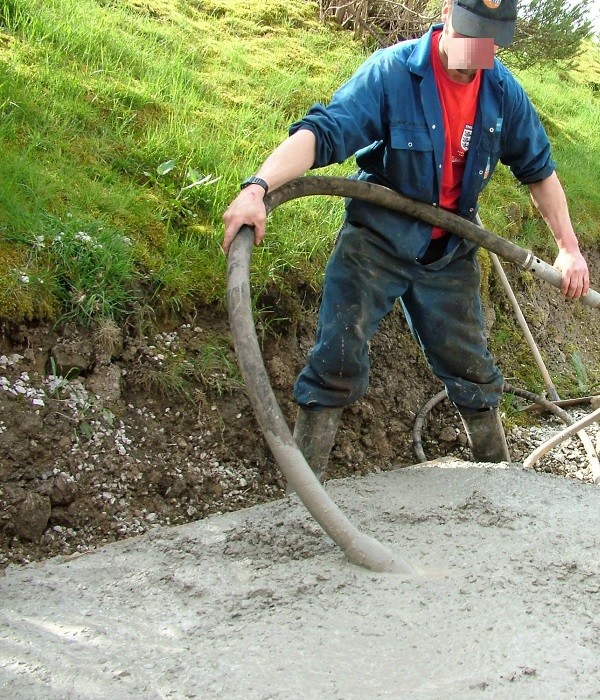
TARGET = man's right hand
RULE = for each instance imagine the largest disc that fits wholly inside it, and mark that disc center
(289, 160)
(247, 208)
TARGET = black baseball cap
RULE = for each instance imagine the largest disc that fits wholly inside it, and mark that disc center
(489, 19)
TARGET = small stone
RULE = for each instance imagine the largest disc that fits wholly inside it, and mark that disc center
(71, 359)
(32, 516)
(65, 517)
(64, 443)
(105, 382)
(64, 491)
(448, 434)
(177, 488)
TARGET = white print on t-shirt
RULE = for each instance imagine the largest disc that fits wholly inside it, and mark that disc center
(466, 137)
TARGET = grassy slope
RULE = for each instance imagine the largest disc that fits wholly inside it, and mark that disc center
(96, 94)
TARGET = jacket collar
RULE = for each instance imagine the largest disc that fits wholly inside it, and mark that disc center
(419, 62)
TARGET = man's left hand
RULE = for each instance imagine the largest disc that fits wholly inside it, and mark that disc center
(575, 274)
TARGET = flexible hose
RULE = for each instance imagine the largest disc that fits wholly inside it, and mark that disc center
(359, 548)
(507, 389)
(591, 452)
(385, 197)
(420, 422)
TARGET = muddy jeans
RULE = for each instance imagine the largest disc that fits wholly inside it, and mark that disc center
(363, 279)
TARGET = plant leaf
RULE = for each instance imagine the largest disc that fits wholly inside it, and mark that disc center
(165, 167)
(194, 175)
(207, 180)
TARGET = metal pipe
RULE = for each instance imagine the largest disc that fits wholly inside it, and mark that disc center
(553, 394)
(550, 388)
(539, 361)
(591, 454)
(561, 437)
(580, 400)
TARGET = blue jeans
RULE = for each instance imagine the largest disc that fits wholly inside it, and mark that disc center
(441, 301)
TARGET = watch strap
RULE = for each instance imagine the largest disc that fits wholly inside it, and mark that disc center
(253, 180)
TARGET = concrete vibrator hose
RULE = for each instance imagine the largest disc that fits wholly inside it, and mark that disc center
(359, 548)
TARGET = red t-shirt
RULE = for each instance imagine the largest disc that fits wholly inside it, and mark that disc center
(459, 107)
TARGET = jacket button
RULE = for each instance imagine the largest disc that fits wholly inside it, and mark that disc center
(481, 172)
(410, 144)
(492, 130)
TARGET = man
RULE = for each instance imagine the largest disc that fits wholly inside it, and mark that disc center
(429, 118)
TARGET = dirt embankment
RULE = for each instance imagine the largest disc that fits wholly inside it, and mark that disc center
(93, 451)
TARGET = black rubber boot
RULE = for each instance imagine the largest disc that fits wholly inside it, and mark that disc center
(314, 434)
(486, 436)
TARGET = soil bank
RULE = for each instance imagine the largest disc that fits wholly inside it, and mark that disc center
(261, 604)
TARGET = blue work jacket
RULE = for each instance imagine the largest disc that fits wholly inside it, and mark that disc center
(389, 116)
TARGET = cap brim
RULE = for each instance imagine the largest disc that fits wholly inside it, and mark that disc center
(473, 25)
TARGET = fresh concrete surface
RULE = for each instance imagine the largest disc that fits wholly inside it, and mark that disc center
(261, 604)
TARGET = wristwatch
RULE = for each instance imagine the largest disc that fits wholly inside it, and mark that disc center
(253, 180)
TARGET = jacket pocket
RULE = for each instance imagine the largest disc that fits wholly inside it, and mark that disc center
(410, 162)
(410, 138)
(489, 144)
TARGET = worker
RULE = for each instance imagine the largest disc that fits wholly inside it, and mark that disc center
(429, 118)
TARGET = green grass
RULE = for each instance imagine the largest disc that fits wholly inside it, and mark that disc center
(568, 103)
(96, 94)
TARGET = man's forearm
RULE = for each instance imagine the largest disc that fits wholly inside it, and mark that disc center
(290, 159)
(550, 200)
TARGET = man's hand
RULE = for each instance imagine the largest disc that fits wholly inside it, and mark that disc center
(247, 208)
(575, 274)
(289, 160)
(549, 198)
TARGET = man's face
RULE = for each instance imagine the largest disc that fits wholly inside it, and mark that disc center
(465, 53)
(470, 54)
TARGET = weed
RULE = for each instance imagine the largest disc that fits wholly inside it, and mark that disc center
(583, 382)
(177, 189)
(181, 373)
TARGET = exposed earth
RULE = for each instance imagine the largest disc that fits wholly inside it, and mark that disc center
(104, 435)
